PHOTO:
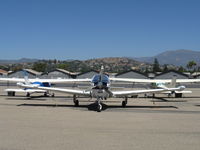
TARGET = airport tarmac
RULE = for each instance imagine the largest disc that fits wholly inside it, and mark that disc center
(55, 124)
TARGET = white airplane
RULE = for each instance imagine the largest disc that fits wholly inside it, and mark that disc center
(29, 91)
(172, 84)
(100, 90)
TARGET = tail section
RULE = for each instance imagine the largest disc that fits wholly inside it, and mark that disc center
(173, 82)
(101, 73)
(27, 82)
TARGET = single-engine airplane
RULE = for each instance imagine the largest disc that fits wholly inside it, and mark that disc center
(29, 91)
(172, 84)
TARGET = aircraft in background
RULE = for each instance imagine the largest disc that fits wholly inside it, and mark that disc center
(172, 84)
(100, 90)
(29, 91)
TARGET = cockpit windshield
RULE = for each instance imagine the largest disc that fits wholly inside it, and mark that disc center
(104, 79)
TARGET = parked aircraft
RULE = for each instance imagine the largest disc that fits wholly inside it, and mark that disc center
(29, 91)
(172, 84)
(100, 90)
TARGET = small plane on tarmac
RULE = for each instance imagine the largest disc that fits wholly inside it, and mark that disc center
(36, 81)
(29, 91)
(100, 89)
(172, 84)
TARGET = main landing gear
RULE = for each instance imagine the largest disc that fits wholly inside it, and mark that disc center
(28, 94)
(124, 103)
(178, 95)
(76, 102)
(11, 93)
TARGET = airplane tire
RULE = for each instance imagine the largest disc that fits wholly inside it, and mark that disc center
(53, 95)
(28, 95)
(11, 93)
(99, 108)
(45, 94)
(76, 103)
(123, 103)
(178, 95)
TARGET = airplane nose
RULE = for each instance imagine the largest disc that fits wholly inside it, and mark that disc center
(181, 87)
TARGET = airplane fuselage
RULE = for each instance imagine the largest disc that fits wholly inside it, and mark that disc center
(101, 85)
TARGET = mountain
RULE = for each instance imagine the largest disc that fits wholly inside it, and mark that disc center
(176, 57)
(22, 60)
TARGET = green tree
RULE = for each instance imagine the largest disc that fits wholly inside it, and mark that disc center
(165, 69)
(62, 66)
(181, 69)
(40, 66)
(191, 65)
(156, 66)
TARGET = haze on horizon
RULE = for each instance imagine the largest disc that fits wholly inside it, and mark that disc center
(59, 29)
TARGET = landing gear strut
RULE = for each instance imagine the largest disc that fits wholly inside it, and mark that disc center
(45, 94)
(52, 95)
(124, 102)
(76, 102)
(99, 106)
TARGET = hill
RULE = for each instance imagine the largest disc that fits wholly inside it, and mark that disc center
(114, 64)
(177, 57)
(19, 61)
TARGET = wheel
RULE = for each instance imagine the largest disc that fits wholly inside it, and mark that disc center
(178, 95)
(53, 95)
(124, 103)
(76, 103)
(45, 94)
(11, 93)
(99, 108)
(153, 95)
(27, 94)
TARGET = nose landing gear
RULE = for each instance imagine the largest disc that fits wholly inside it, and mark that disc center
(99, 106)
(124, 102)
(76, 102)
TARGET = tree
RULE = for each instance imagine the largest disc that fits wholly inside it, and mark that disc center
(63, 66)
(156, 66)
(191, 65)
(40, 67)
(165, 68)
(181, 69)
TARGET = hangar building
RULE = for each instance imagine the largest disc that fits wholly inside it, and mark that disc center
(170, 74)
(59, 73)
(20, 74)
(131, 74)
(88, 74)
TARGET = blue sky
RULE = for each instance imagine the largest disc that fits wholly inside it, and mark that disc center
(84, 29)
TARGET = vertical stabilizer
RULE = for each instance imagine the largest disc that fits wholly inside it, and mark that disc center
(173, 82)
(27, 82)
(102, 70)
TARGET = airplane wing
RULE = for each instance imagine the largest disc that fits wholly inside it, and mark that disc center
(140, 80)
(133, 92)
(69, 91)
(44, 80)
(183, 92)
(25, 90)
(154, 80)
